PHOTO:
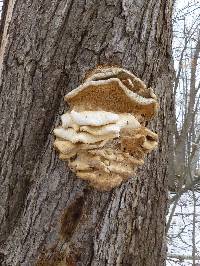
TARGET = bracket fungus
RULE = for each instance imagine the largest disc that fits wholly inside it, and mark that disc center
(103, 135)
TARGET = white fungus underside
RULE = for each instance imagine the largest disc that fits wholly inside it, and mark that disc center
(98, 122)
(94, 118)
(91, 133)
(82, 137)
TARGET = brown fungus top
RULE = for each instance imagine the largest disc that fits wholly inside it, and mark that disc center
(132, 82)
(113, 96)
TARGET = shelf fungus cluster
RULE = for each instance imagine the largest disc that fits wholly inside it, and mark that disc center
(103, 136)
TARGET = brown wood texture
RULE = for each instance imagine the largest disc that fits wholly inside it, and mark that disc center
(47, 215)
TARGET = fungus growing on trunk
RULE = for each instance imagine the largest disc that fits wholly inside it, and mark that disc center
(102, 136)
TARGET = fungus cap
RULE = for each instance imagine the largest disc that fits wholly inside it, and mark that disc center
(126, 77)
(111, 96)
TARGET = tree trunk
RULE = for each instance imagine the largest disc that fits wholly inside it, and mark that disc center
(47, 215)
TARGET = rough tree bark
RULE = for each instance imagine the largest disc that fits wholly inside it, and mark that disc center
(47, 214)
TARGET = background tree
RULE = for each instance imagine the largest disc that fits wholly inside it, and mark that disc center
(183, 218)
(45, 211)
